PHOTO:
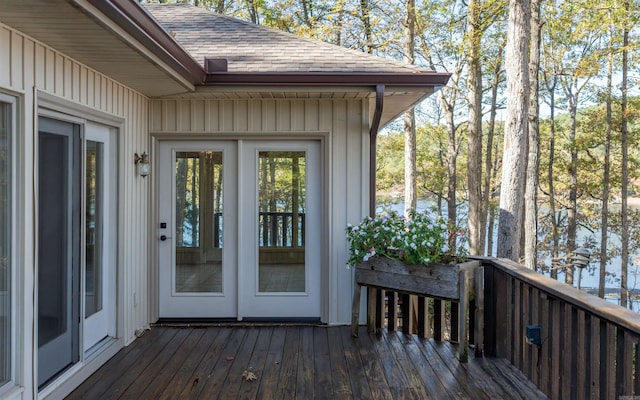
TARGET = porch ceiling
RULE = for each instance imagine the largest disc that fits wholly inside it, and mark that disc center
(83, 32)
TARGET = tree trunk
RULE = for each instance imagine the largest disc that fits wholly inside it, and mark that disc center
(219, 6)
(365, 17)
(451, 161)
(551, 87)
(624, 133)
(516, 130)
(531, 190)
(194, 214)
(474, 131)
(410, 185)
(604, 227)
(572, 217)
(252, 7)
(490, 165)
(339, 21)
(181, 198)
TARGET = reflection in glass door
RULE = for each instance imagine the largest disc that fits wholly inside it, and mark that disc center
(94, 228)
(199, 223)
(281, 228)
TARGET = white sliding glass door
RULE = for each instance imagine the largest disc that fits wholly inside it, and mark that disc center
(77, 221)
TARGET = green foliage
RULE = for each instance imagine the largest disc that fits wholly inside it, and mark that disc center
(422, 238)
(431, 168)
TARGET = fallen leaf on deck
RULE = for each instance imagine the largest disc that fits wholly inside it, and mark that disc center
(249, 376)
(230, 358)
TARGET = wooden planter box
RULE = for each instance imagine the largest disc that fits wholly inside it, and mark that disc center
(457, 283)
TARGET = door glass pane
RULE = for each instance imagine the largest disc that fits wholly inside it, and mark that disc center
(5, 242)
(59, 244)
(199, 222)
(94, 227)
(54, 254)
(281, 198)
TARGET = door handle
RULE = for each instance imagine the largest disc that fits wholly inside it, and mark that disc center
(164, 237)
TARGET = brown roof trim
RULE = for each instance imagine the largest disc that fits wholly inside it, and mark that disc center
(426, 79)
(133, 18)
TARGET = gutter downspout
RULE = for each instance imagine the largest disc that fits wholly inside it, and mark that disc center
(373, 137)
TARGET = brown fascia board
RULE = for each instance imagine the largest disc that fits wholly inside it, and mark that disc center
(134, 19)
(424, 79)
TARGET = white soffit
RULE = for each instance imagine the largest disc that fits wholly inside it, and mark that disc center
(84, 34)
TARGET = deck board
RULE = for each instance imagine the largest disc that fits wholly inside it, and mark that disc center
(298, 362)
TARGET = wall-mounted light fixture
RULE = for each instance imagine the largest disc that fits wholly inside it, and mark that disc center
(142, 164)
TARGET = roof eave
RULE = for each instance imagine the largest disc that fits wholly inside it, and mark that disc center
(134, 19)
(421, 79)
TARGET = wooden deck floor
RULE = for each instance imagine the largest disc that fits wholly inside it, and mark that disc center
(297, 362)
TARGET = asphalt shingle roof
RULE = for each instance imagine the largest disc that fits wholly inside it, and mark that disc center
(254, 48)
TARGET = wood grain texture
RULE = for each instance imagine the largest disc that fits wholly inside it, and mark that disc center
(298, 362)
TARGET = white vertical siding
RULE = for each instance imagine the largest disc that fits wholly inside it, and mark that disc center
(345, 124)
(27, 66)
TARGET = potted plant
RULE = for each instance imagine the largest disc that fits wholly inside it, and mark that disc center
(421, 254)
(421, 238)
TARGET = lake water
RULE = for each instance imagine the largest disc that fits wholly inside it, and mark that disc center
(590, 275)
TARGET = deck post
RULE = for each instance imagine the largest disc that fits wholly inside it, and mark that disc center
(355, 309)
(478, 335)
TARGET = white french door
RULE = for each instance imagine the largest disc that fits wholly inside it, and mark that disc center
(279, 265)
(239, 229)
(197, 201)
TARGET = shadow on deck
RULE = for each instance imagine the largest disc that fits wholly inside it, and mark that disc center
(298, 362)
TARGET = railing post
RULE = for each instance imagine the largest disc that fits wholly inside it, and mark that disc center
(490, 317)
(423, 317)
(406, 313)
(438, 319)
(372, 292)
(478, 326)
(380, 309)
(392, 310)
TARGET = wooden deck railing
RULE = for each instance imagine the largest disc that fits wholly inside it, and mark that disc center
(423, 303)
(590, 347)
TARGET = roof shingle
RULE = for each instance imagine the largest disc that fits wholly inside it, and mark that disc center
(250, 48)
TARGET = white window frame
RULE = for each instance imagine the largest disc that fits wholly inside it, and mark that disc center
(14, 338)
